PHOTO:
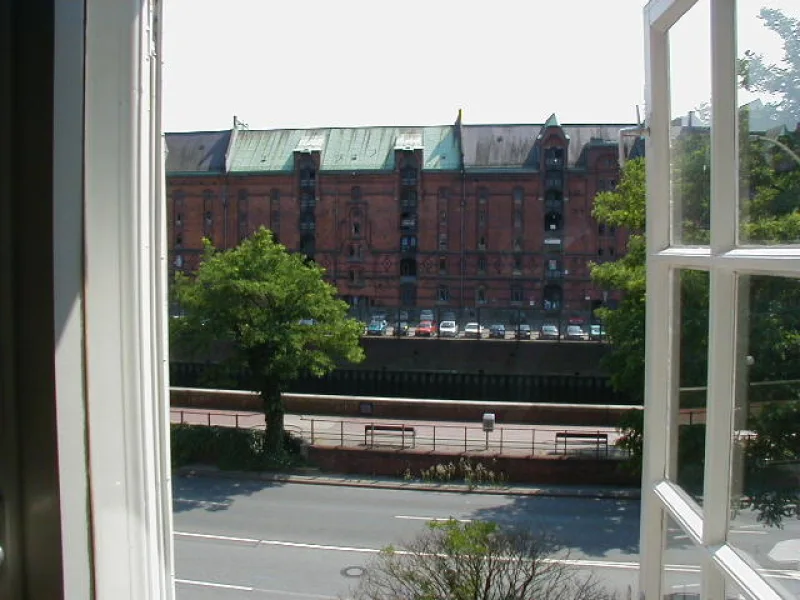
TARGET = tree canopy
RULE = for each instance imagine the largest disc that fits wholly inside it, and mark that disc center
(280, 318)
(769, 214)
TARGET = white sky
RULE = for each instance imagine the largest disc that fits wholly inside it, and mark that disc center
(318, 63)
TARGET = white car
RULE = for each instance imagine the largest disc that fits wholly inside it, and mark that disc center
(473, 330)
(448, 329)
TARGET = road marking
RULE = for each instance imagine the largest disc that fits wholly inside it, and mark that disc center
(202, 502)
(578, 562)
(219, 538)
(244, 588)
(224, 586)
(413, 518)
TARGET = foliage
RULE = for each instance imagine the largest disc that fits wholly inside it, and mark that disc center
(778, 80)
(770, 191)
(472, 474)
(281, 319)
(474, 561)
(229, 448)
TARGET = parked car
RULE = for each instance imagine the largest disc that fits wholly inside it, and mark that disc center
(548, 332)
(472, 330)
(377, 327)
(497, 331)
(426, 315)
(574, 332)
(425, 329)
(597, 332)
(523, 332)
(448, 329)
(401, 328)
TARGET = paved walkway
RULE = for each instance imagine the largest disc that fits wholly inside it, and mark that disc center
(446, 436)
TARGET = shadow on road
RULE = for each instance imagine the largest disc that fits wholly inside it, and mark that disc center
(601, 526)
(212, 494)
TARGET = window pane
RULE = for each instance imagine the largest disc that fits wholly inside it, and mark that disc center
(694, 287)
(766, 429)
(681, 565)
(769, 115)
(690, 140)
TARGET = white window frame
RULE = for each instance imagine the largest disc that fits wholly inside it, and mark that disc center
(110, 297)
(724, 261)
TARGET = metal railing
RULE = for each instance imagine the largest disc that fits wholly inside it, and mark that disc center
(424, 436)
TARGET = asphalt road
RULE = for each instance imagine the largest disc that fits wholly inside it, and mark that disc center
(246, 539)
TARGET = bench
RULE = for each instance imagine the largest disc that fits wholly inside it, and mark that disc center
(369, 433)
(595, 438)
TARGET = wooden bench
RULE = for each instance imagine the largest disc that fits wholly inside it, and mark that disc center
(595, 438)
(369, 433)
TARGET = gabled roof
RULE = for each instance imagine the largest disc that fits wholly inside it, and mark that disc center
(197, 151)
(552, 121)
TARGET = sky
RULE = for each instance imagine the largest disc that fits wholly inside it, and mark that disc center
(318, 63)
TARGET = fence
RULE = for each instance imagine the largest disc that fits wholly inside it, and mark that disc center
(574, 389)
(448, 438)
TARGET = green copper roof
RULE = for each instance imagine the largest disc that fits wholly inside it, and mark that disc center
(441, 149)
(552, 121)
(343, 149)
(264, 151)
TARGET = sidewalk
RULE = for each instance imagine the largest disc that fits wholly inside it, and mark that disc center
(445, 436)
(596, 492)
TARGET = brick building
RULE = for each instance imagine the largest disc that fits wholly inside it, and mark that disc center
(456, 217)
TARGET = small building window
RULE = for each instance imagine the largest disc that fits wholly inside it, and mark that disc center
(443, 265)
(443, 217)
(481, 264)
(442, 241)
(444, 293)
(482, 243)
(408, 267)
(179, 220)
(408, 243)
(179, 240)
(516, 294)
(480, 295)
(517, 263)
(601, 229)
(518, 195)
(355, 193)
(611, 251)
(356, 228)
(483, 195)
(482, 217)
(518, 218)
(599, 252)
(518, 244)
(355, 251)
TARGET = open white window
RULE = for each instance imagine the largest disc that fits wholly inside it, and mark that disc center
(720, 480)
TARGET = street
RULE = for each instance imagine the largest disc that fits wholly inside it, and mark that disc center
(245, 539)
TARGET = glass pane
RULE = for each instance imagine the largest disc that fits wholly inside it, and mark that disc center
(690, 140)
(681, 565)
(694, 286)
(766, 460)
(769, 115)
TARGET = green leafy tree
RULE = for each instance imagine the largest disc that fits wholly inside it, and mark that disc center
(780, 81)
(475, 561)
(280, 318)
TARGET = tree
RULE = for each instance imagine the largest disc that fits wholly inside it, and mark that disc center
(770, 190)
(474, 561)
(281, 319)
(781, 81)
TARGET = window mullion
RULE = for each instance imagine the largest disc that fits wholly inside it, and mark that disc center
(723, 295)
(661, 285)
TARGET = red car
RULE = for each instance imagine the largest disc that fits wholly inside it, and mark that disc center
(425, 329)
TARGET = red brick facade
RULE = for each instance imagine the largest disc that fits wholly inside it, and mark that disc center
(417, 238)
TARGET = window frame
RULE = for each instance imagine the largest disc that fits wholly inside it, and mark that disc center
(725, 261)
(113, 404)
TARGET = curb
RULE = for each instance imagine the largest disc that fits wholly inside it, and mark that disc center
(388, 484)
